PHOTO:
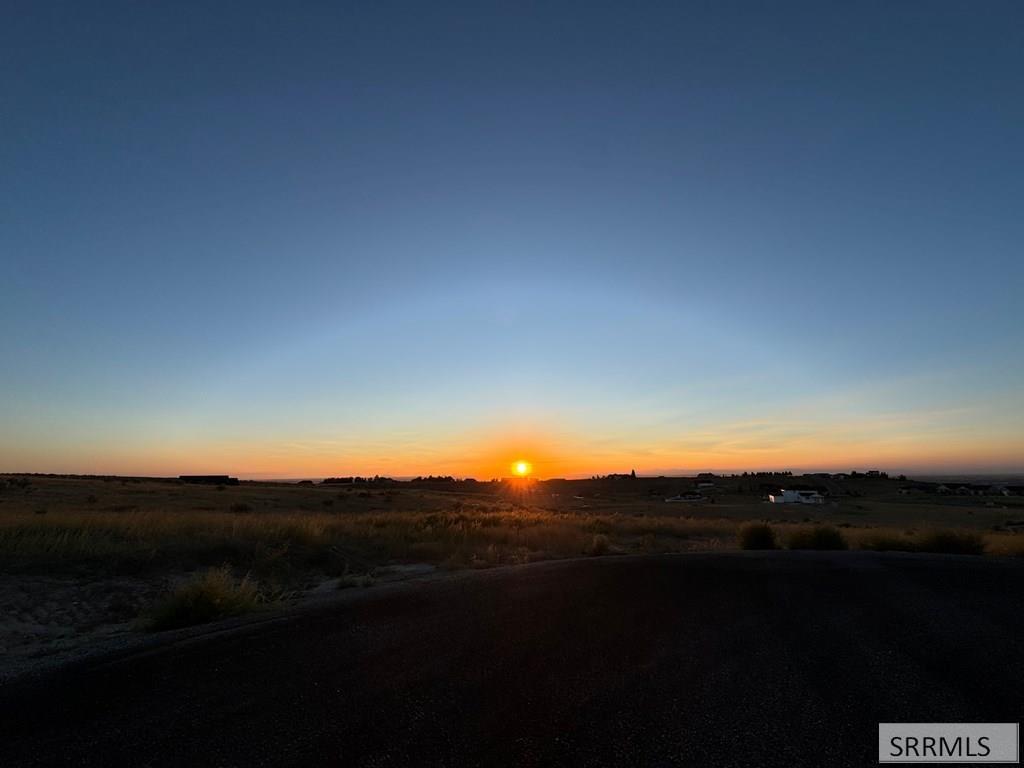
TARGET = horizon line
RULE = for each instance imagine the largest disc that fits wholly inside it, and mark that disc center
(656, 474)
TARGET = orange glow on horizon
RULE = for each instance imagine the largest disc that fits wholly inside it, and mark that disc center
(496, 450)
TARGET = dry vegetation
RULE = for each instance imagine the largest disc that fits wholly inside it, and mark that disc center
(213, 594)
(219, 551)
(279, 543)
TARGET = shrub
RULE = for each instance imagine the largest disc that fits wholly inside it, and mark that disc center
(756, 536)
(1007, 546)
(241, 507)
(598, 545)
(816, 537)
(209, 596)
(952, 542)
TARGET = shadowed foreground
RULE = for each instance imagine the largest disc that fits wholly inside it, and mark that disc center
(720, 659)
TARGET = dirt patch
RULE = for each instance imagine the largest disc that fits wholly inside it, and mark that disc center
(47, 619)
(46, 615)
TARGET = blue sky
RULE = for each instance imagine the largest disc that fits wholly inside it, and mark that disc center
(413, 237)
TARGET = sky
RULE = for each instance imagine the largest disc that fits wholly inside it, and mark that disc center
(309, 239)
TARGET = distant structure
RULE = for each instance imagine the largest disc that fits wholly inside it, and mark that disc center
(796, 497)
(209, 479)
(961, 489)
(684, 498)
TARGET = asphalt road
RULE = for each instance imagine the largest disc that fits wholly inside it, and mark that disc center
(746, 659)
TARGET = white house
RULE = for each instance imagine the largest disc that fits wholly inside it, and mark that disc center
(796, 497)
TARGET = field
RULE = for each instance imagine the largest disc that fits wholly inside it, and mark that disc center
(88, 559)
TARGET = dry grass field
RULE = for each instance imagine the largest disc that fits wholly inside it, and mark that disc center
(86, 558)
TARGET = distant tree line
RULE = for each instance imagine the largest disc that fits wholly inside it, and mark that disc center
(356, 480)
(615, 476)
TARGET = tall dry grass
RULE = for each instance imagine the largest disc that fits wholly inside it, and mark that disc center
(214, 594)
(268, 542)
(284, 545)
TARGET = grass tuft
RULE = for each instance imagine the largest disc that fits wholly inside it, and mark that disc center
(1005, 546)
(211, 595)
(756, 536)
(599, 545)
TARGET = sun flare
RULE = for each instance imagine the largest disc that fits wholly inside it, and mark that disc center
(522, 468)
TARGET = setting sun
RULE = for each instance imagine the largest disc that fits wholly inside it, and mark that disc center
(522, 468)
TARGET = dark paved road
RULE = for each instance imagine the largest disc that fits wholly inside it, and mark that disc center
(736, 659)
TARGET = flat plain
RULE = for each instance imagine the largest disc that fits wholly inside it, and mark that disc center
(88, 561)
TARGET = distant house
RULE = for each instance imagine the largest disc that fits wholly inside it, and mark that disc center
(796, 497)
(705, 484)
(209, 479)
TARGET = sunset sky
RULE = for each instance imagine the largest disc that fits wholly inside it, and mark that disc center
(415, 238)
